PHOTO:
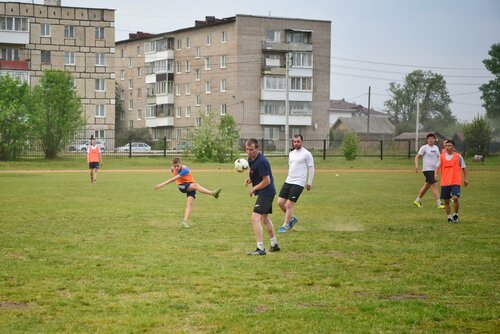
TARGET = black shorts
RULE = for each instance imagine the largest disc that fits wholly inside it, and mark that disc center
(447, 192)
(183, 188)
(93, 165)
(263, 205)
(291, 191)
(429, 176)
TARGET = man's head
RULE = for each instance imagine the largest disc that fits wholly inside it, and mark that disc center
(431, 139)
(449, 146)
(176, 164)
(297, 142)
(252, 148)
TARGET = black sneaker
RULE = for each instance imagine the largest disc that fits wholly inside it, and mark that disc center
(455, 219)
(258, 252)
(450, 220)
(275, 248)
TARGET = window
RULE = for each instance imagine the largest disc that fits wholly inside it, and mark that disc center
(139, 114)
(130, 84)
(99, 33)
(161, 87)
(197, 75)
(150, 111)
(208, 109)
(122, 95)
(198, 100)
(122, 53)
(129, 62)
(301, 37)
(188, 42)
(272, 36)
(139, 50)
(222, 61)
(130, 104)
(299, 83)
(13, 23)
(131, 124)
(99, 59)
(223, 109)
(99, 134)
(45, 30)
(178, 44)
(178, 67)
(139, 72)
(99, 110)
(273, 107)
(188, 89)
(9, 54)
(178, 112)
(223, 36)
(45, 55)
(197, 52)
(223, 85)
(208, 87)
(274, 83)
(188, 111)
(122, 115)
(139, 93)
(122, 75)
(69, 58)
(272, 133)
(209, 39)
(69, 32)
(177, 89)
(99, 85)
(208, 63)
(303, 59)
(197, 121)
(188, 66)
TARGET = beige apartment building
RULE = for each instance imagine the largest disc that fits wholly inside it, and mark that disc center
(35, 37)
(235, 66)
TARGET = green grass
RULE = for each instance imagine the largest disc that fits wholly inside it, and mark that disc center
(111, 257)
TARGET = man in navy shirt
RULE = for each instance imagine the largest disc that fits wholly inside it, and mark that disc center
(262, 181)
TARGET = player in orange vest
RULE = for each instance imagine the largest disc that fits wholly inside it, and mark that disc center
(185, 183)
(94, 157)
(451, 164)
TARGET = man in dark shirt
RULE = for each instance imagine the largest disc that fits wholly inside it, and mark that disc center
(262, 181)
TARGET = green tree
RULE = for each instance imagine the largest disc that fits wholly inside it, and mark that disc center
(491, 90)
(128, 135)
(477, 135)
(57, 110)
(15, 125)
(228, 138)
(434, 100)
(350, 145)
(118, 104)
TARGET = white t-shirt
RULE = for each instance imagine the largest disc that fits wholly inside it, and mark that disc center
(430, 157)
(299, 163)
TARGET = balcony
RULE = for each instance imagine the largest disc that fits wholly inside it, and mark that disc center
(270, 70)
(21, 65)
(285, 47)
(14, 37)
(270, 119)
(159, 121)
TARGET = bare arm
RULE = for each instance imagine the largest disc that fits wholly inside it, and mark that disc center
(417, 158)
(266, 180)
(466, 177)
(164, 183)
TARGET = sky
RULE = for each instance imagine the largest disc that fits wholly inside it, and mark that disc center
(374, 42)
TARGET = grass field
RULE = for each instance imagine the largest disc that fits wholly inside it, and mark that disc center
(111, 257)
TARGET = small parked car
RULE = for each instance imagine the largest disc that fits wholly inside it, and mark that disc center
(136, 147)
(183, 146)
(85, 145)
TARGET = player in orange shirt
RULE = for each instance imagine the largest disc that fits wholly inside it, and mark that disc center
(94, 157)
(187, 185)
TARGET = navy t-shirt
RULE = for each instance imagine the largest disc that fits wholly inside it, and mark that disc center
(259, 168)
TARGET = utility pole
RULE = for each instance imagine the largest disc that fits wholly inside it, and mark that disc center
(368, 114)
(416, 125)
(287, 121)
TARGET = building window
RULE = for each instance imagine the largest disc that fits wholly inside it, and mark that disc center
(197, 52)
(122, 95)
(45, 30)
(131, 124)
(274, 83)
(130, 104)
(188, 42)
(122, 115)
(99, 33)
(223, 36)
(122, 75)
(223, 85)
(208, 109)
(150, 111)
(188, 89)
(9, 54)
(99, 110)
(208, 63)
(99, 134)
(272, 133)
(197, 122)
(45, 57)
(139, 72)
(69, 32)
(209, 39)
(178, 67)
(122, 53)
(197, 75)
(302, 59)
(300, 83)
(223, 109)
(178, 44)
(222, 61)
(99, 85)
(139, 93)
(14, 23)
(177, 89)
(198, 100)
(188, 111)
(139, 114)
(139, 50)
(178, 112)
(99, 59)
(130, 84)
(69, 58)
(188, 66)
(208, 87)
(272, 36)
(129, 62)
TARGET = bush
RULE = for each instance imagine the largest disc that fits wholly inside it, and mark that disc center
(350, 145)
(477, 136)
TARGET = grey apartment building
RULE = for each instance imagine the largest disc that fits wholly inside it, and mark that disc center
(36, 37)
(236, 66)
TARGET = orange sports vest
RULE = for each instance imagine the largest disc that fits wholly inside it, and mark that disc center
(94, 154)
(185, 178)
(451, 173)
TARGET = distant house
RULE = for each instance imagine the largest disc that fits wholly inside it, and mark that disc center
(380, 127)
(422, 138)
(342, 108)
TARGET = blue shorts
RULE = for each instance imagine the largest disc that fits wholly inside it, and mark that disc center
(448, 191)
(183, 188)
(93, 165)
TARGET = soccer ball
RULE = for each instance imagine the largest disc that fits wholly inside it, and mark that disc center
(240, 165)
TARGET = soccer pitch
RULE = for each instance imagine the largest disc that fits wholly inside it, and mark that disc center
(111, 257)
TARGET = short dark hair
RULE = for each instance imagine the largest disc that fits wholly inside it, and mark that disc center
(431, 135)
(253, 141)
(450, 141)
(176, 161)
(297, 136)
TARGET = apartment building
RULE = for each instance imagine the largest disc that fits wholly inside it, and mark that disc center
(235, 66)
(35, 37)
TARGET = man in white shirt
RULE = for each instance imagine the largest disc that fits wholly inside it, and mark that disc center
(430, 157)
(300, 175)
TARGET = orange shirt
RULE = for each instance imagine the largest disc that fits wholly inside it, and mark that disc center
(185, 175)
(94, 154)
(451, 172)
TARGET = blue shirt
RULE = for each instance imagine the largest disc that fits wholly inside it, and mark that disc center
(260, 168)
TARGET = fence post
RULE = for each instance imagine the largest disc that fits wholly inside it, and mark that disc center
(130, 147)
(409, 149)
(262, 145)
(324, 149)
(164, 146)
(381, 149)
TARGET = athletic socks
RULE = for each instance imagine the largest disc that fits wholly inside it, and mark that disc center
(260, 245)
(273, 241)
(418, 199)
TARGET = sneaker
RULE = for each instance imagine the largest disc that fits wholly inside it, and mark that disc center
(455, 219)
(450, 220)
(275, 248)
(216, 193)
(185, 224)
(293, 222)
(258, 252)
(284, 228)
(441, 206)
(417, 204)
